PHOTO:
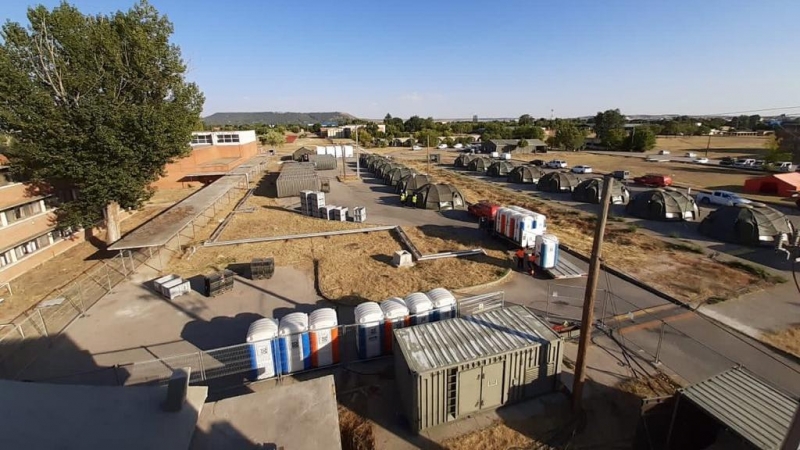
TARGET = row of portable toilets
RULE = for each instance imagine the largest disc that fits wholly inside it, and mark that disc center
(301, 341)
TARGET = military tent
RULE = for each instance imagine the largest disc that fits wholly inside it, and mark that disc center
(412, 182)
(591, 191)
(500, 169)
(558, 182)
(439, 197)
(464, 160)
(394, 176)
(525, 174)
(375, 162)
(386, 168)
(746, 224)
(662, 204)
(301, 153)
(479, 164)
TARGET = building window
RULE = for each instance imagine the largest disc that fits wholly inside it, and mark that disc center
(58, 235)
(227, 138)
(201, 139)
(5, 259)
(22, 212)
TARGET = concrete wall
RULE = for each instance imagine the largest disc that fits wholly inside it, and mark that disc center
(206, 159)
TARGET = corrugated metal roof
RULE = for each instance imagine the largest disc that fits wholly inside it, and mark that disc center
(747, 405)
(456, 341)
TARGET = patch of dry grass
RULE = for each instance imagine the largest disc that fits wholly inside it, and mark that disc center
(497, 436)
(787, 340)
(356, 431)
(687, 276)
(658, 385)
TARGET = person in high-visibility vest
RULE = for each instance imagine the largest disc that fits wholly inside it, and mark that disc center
(414, 200)
(532, 262)
(403, 197)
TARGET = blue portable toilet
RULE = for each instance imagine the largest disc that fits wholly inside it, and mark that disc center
(264, 349)
(295, 344)
(369, 319)
(419, 306)
(444, 304)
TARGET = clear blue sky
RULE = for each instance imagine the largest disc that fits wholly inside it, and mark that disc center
(451, 59)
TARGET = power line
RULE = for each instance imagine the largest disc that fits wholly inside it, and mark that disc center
(755, 110)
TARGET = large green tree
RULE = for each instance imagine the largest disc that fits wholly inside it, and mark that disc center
(641, 139)
(569, 136)
(95, 103)
(609, 126)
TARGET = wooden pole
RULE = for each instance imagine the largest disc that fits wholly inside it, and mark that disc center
(428, 154)
(588, 304)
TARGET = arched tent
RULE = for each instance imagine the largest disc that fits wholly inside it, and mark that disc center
(500, 169)
(591, 191)
(299, 154)
(439, 197)
(366, 158)
(373, 164)
(412, 182)
(386, 168)
(464, 160)
(379, 166)
(525, 174)
(395, 175)
(479, 164)
(746, 224)
(662, 204)
(558, 182)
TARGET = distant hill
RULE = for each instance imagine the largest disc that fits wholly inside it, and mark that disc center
(275, 118)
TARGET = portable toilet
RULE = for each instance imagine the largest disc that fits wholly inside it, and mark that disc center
(264, 349)
(501, 220)
(444, 303)
(323, 335)
(419, 306)
(547, 250)
(294, 343)
(513, 223)
(369, 339)
(396, 315)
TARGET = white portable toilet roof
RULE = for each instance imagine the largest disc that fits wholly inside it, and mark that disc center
(418, 302)
(368, 312)
(266, 328)
(394, 308)
(441, 297)
(322, 319)
(293, 323)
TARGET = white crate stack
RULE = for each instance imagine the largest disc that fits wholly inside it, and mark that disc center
(171, 286)
(359, 214)
(324, 212)
(311, 201)
(339, 214)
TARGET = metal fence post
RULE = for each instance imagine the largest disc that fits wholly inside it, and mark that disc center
(122, 261)
(108, 278)
(21, 333)
(200, 364)
(80, 297)
(658, 349)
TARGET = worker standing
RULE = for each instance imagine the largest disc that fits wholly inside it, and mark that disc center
(532, 262)
(403, 197)
(520, 259)
(414, 200)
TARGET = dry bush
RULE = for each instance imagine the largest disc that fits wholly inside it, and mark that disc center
(657, 385)
(787, 340)
(356, 431)
(497, 436)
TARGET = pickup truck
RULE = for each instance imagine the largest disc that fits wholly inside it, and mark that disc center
(484, 208)
(724, 198)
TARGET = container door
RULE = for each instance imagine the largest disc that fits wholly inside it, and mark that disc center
(492, 389)
(469, 391)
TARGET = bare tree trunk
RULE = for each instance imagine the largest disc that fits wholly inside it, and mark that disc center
(112, 222)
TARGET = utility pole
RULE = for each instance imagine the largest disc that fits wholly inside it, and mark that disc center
(358, 158)
(428, 154)
(588, 303)
(708, 144)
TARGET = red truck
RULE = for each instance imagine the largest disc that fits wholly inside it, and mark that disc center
(654, 180)
(485, 209)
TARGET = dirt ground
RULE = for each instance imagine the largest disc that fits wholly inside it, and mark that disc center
(718, 146)
(787, 340)
(688, 276)
(36, 285)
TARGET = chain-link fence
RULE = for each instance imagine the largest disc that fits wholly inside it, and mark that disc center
(30, 333)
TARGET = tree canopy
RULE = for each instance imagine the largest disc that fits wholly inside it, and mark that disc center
(609, 126)
(568, 136)
(641, 139)
(95, 103)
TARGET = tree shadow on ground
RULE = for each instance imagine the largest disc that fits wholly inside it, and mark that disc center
(267, 186)
(220, 331)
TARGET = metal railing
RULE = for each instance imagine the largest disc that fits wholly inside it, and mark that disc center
(31, 332)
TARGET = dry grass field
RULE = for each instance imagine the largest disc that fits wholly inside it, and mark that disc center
(676, 270)
(786, 340)
(750, 146)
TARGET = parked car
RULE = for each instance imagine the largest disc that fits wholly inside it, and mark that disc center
(690, 155)
(582, 169)
(701, 160)
(745, 163)
(458, 146)
(728, 161)
(621, 174)
(537, 162)
(760, 164)
(441, 146)
(784, 166)
(557, 164)
(416, 147)
(663, 152)
(724, 198)
(484, 208)
(654, 180)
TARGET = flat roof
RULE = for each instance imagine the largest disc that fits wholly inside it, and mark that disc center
(165, 226)
(456, 341)
(295, 416)
(47, 416)
(747, 405)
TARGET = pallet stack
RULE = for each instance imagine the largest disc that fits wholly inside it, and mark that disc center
(339, 214)
(325, 212)
(311, 201)
(219, 283)
(359, 214)
(262, 268)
